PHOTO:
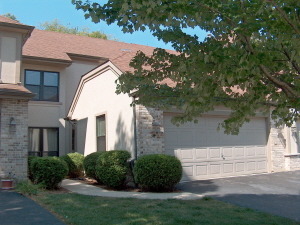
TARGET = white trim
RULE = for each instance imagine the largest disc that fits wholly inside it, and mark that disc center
(44, 103)
(291, 155)
(89, 76)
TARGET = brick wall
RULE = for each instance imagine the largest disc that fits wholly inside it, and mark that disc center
(292, 162)
(278, 147)
(13, 138)
(150, 132)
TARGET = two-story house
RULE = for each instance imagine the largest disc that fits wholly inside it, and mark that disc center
(57, 95)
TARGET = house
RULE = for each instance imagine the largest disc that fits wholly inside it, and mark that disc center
(61, 88)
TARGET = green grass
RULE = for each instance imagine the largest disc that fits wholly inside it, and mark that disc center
(79, 209)
(28, 188)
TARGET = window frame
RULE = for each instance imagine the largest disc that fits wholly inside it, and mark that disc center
(105, 136)
(41, 86)
(40, 152)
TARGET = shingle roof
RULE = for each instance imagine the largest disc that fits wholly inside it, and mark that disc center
(14, 90)
(54, 45)
(10, 22)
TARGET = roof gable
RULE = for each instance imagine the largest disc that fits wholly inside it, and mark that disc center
(90, 76)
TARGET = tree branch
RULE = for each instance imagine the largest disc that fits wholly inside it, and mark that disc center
(294, 64)
(284, 86)
(285, 17)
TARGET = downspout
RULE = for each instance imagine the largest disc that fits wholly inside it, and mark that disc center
(134, 131)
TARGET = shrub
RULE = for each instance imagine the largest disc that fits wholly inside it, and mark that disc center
(75, 164)
(157, 172)
(112, 167)
(48, 171)
(29, 160)
(89, 165)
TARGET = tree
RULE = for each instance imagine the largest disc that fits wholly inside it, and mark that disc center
(249, 62)
(10, 16)
(56, 26)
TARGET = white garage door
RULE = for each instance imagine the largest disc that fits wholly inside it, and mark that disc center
(208, 153)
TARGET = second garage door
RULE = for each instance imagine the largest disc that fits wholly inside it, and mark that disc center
(208, 153)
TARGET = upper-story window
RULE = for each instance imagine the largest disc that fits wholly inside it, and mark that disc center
(44, 84)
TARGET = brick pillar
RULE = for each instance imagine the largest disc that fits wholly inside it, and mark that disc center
(13, 138)
(150, 131)
(277, 142)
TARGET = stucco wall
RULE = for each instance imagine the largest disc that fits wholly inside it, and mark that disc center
(52, 114)
(10, 54)
(98, 97)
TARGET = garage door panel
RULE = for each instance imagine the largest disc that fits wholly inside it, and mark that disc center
(261, 151)
(262, 165)
(215, 153)
(240, 167)
(228, 168)
(207, 153)
(215, 169)
(250, 151)
(201, 170)
(228, 152)
(187, 154)
(201, 154)
(187, 172)
(239, 152)
(251, 166)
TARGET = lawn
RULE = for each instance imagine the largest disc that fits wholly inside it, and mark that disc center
(88, 210)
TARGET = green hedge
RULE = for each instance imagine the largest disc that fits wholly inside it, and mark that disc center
(29, 160)
(112, 167)
(157, 172)
(48, 171)
(75, 164)
(89, 165)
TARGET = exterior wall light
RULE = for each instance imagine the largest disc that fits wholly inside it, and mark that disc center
(12, 122)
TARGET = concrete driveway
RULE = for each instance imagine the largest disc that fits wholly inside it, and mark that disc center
(276, 193)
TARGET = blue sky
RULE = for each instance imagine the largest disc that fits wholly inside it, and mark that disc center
(35, 12)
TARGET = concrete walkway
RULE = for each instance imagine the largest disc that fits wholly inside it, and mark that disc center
(86, 189)
(16, 209)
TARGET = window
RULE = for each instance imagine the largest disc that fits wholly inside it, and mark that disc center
(43, 142)
(43, 84)
(101, 133)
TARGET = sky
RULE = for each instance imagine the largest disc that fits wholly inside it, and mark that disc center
(35, 12)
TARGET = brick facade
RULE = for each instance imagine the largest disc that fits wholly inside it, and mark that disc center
(292, 162)
(150, 131)
(277, 147)
(13, 138)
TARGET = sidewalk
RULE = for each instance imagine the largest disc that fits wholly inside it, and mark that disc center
(86, 189)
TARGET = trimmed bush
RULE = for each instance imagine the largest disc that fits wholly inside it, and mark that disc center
(75, 164)
(89, 165)
(157, 172)
(112, 167)
(48, 171)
